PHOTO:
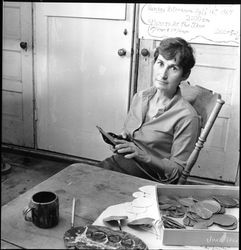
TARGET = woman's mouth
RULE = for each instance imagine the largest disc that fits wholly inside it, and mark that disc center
(162, 82)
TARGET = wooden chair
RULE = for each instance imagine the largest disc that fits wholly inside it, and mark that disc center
(207, 104)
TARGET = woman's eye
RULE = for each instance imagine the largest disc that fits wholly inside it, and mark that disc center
(174, 68)
(160, 63)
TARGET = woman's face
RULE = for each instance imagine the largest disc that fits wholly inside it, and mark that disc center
(167, 74)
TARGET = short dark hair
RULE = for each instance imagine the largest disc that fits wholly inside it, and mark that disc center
(170, 47)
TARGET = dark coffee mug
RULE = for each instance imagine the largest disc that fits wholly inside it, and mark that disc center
(44, 208)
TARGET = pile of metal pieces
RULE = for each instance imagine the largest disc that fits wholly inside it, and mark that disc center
(198, 213)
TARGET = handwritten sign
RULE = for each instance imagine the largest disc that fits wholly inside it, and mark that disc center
(197, 23)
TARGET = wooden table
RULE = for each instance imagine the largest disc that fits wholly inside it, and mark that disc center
(95, 189)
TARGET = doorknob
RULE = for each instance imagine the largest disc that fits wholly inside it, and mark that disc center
(145, 52)
(121, 52)
(24, 45)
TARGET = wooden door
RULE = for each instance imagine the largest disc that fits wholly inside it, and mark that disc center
(217, 68)
(81, 80)
(17, 80)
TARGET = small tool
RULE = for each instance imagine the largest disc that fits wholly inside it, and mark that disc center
(119, 225)
(73, 211)
(110, 138)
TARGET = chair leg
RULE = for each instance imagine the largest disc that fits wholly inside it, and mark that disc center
(191, 161)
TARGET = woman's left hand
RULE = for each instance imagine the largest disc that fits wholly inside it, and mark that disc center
(130, 150)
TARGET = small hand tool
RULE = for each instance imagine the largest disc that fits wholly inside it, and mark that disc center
(73, 211)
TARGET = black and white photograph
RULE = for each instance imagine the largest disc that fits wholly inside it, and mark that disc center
(120, 125)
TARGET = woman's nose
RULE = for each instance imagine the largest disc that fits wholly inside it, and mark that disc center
(163, 73)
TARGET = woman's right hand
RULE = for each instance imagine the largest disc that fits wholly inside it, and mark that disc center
(124, 135)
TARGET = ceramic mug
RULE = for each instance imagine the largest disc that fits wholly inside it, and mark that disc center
(44, 208)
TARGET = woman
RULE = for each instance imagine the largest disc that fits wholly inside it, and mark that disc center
(163, 127)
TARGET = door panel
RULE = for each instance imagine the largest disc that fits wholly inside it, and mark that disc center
(217, 68)
(219, 158)
(17, 82)
(81, 80)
